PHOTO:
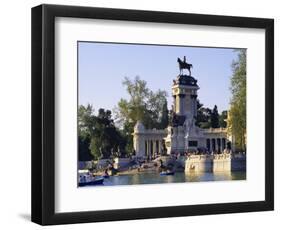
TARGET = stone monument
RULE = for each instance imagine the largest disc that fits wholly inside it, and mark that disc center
(182, 135)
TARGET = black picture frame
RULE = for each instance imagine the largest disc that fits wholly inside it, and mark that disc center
(43, 114)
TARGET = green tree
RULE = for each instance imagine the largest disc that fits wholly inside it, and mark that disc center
(98, 134)
(203, 118)
(237, 113)
(85, 121)
(84, 153)
(143, 105)
(215, 117)
(210, 118)
(164, 116)
(106, 138)
(127, 134)
(222, 119)
(85, 125)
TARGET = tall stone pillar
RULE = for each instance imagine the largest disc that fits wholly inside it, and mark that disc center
(181, 103)
(195, 105)
(139, 141)
(191, 105)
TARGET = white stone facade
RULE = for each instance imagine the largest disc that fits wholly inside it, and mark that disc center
(148, 142)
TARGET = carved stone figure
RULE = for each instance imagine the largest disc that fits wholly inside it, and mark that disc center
(184, 65)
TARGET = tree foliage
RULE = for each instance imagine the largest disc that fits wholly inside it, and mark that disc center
(222, 119)
(209, 118)
(237, 113)
(84, 153)
(203, 119)
(215, 117)
(164, 122)
(84, 132)
(85, 121)
(100, 131)
(142, 105)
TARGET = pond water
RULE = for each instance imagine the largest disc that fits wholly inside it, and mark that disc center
(180, 177)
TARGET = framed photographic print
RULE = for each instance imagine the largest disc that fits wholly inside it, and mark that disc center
(142, 114)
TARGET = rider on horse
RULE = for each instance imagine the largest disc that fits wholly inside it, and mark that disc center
(184, 65)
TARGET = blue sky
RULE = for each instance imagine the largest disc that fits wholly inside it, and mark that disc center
(103, 66)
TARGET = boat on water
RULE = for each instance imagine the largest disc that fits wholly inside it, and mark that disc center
(87, 179)
(98, 181)
(105, 175)
(167, 173)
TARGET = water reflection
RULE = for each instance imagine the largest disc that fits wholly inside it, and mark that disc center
(155, 178)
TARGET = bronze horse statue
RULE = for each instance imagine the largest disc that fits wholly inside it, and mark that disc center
(184, 65)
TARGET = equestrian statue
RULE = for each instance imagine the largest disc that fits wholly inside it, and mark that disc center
(184, 65)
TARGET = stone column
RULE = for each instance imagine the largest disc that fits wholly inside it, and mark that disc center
(195, 106)
(177, 107)
(160, 146)
(192, 105)
(136, 144)
(181, 103)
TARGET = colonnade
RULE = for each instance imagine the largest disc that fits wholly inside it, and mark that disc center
(153, 146)
(216, 144)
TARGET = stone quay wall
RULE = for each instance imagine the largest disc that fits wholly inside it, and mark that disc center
(208, 163)
(121, 162)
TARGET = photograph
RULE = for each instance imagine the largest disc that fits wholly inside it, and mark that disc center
(142, 113)
(158, 114)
